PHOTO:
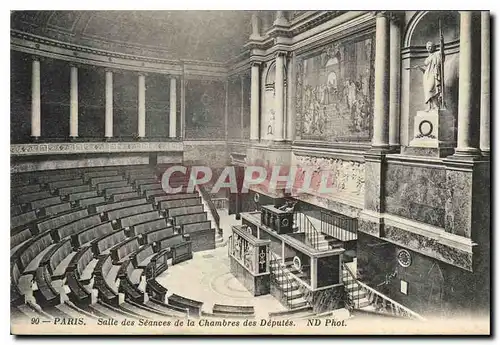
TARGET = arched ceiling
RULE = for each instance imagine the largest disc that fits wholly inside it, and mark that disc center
(197, 35)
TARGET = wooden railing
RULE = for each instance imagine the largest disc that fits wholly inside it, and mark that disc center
(211, 206)
(380, 302)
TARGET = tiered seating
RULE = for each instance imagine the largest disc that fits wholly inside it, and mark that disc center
(122, 250)
(22, 219)
(157, 265)
(153, 186)
(128, 211)
(129, 221)
(108, 185)
(74, 189)
(143, 256)
(91, 201)
(75, 226)
(27, 198)
(101, 179)
(116, 205)
(102, 244)
(129, 279)
(56, 209)
(106, 279)
(31, 253)
(25, 189)
(111, 192)
(124, 196)
(156, 235)
(201, 234)
(45, 295)
(231, 311)
(164, 197)
(179, 249)
(65, 184)
(167, 204)
(190, 218)
(148, 226)
(61, 219)
(58, 258)
(192, 305)
(82, 195)
(19, 237)
(16, 210)
(85, 236)
(178, 211)
(88, 175)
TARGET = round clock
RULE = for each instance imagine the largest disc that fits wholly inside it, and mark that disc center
(297, 263)
(284, 222)
(404, 258)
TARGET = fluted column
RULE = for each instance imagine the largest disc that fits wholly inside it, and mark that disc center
(242, 105)
(255, 102)
(173, 108)
(279, 89)
(290, 106)
(35, 99)
(394, 82)
(73, 112)
(381, 100)
(108, 124)
(141, 106)
(484, 140)
(467, 139)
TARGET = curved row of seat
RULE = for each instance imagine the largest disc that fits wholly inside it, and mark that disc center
(70, 257)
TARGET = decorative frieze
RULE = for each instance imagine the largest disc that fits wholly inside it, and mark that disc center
(96, 147)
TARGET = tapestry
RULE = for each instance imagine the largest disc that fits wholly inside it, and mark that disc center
(205, 109)
(334, 97)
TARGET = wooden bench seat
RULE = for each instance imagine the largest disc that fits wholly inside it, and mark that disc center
(127, 222)
(142, 181)
(167, 204)
(178, 211)
(22, 219)
(88, 175)
(61, 219)
(128, 211)
(58, 254)
(65, 184)
(122, 250)
(75, 227)
(189, 218)
(118, 190)
(96, 180)
(54, 177)
(84, 237)
(45, 295)
(35, 263)
(157, 291)
(156, 235)
(55, 209)
(143, 256)
(149, 194)
(157, 264)
(16, 210)
(27, 198)
(116, 205)
(31, 250)
(124, 196)
(82, 195)
(201, 235)
(79, 293)
(192, 305)
(129, 279)
(106, 279)
(25, 189)
(80, 262)
(166, 308)
(91, 201)
(226, 309)
(108, 185)
(41, 203)
(177, 196)
(151, 225)
(73, 189)
(19, 237)
(189, 228)
(102, 244)
(151, 186)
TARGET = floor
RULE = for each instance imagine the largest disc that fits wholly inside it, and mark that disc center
(207, 278)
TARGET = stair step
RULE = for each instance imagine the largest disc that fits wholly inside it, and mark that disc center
(351, 287)
(358, 294)
(297, 303)
(296, 293)
(363, 302)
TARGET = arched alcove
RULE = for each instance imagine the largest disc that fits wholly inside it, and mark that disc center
(425, 27)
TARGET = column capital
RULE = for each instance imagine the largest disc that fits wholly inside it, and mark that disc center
(109, 69)
(74, 64)
(384, 14)
(283, 53)
(36, 58)
(174, 76)
(395, 16)
(143, 74)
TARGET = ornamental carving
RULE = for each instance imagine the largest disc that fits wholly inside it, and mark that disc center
(346, 176)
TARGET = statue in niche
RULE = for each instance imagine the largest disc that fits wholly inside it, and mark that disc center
(433, 78)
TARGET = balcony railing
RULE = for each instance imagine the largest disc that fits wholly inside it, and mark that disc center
(339, 226)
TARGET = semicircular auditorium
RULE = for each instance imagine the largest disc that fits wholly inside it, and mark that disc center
(388, 110)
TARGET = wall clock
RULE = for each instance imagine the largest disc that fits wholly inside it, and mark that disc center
(404, 258)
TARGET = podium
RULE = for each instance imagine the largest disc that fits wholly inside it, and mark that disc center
(278, 220)
(434, 130)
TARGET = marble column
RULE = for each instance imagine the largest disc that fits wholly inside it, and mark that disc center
(255, 102)
(280, 18)
(380, 139)
(484, 140)
(290, 106)
(173, 108)
(279, 90)
(108, 124)
(467, 140)
(242, 105)
(141, 106)
(73, 112)
(35, 99)
(394, 82)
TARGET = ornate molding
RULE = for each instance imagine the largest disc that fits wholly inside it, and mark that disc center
(95, 147)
